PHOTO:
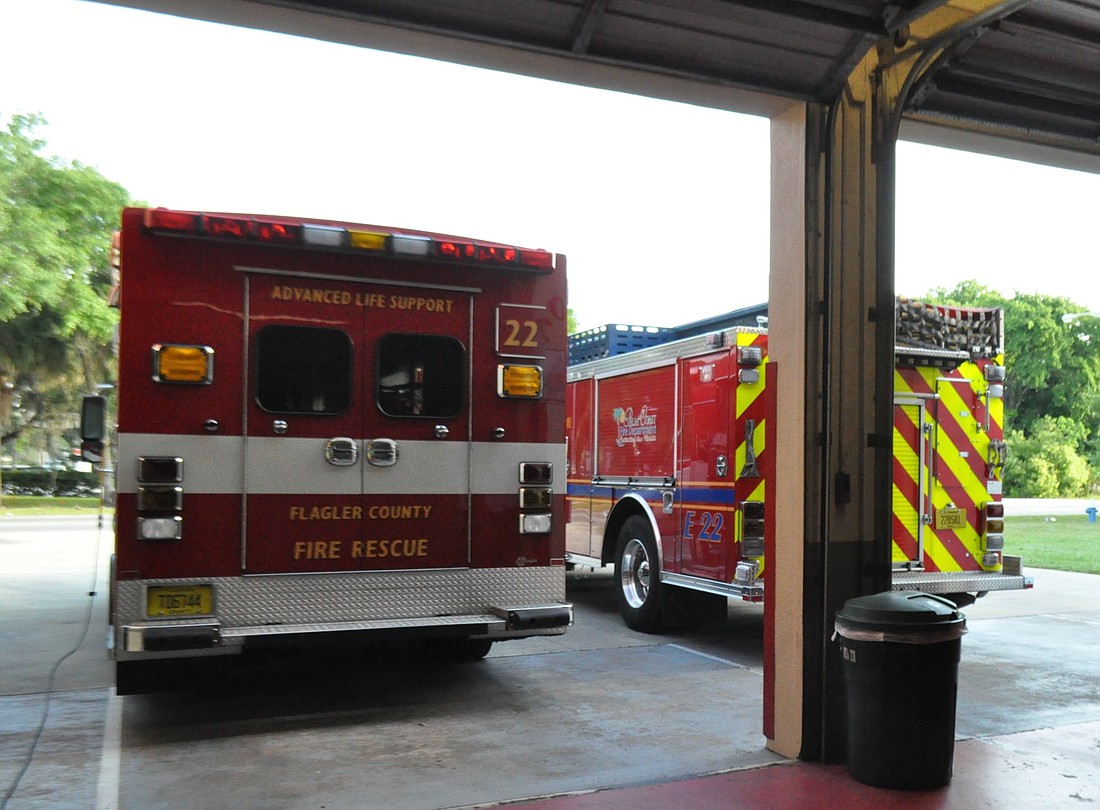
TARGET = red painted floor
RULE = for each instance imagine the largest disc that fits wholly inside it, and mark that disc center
(1050, 768)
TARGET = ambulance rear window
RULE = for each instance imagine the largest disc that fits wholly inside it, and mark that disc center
(303, 369)
(420, 375)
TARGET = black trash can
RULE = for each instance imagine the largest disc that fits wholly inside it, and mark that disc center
(900, 653)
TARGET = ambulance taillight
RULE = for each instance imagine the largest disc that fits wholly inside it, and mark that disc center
(993, 538)
(160, 498)
(535, 497)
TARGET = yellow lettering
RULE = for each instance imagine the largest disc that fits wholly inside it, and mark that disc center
(318, 549)
(313, 295)
(326, 513)
(419, 304)
(381, 549)
(400, 512)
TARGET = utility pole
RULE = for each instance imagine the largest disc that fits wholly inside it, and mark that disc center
(7, 391)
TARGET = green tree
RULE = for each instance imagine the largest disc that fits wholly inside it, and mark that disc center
(1053, 367)
(56, 223)
(1052, 391)
(1046, 463)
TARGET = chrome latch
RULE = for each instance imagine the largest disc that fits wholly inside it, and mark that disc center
(382, 452)
(341, 451)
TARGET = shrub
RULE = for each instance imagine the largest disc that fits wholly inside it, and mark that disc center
(59, 483)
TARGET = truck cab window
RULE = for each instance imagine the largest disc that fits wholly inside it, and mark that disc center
(420, 375)
(302, 369)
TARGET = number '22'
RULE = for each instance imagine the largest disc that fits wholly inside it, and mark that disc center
(530, 339)
(711, 528)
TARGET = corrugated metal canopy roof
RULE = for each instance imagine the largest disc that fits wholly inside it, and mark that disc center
(1032, 75)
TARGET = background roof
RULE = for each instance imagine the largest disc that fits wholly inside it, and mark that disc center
(1033, 75)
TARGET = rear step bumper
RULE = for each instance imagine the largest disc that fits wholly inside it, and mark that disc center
(1011, 578)
(503, 622)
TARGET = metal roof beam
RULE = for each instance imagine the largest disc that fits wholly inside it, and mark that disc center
(814, 13)
(587, 21)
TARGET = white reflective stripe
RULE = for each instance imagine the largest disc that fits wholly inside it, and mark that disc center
(284, 465)
(287, 465)
(495, 465)
(211, 464)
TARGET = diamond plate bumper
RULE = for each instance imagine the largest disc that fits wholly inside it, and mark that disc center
(485, 603)
(1011, 578)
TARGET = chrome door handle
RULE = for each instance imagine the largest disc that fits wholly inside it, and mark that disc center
(381, 452)
(341, 451)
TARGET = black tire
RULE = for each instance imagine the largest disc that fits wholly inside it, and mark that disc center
(637, 568)
(135, 677)
(472, 649)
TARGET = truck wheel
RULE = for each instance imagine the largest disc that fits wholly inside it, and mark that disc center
(472, 649)
(134, 677)
(637, 569)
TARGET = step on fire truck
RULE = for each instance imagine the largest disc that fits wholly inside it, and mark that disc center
(327, 428)
(671, 476)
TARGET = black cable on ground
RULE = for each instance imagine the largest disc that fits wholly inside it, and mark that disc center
(53, 673)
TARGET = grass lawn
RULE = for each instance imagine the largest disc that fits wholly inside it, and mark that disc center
(21, 505)
(1065, 543)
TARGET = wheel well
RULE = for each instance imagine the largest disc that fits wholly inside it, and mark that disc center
(625, 508)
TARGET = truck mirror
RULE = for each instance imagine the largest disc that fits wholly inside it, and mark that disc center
(93, 428)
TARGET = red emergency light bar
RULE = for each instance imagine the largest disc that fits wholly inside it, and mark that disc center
(227, 226)
(216, 226)
(450, 249)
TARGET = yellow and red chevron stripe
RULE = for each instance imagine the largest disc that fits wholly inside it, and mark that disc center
(908, 499)
(957, 473)
(751, 403)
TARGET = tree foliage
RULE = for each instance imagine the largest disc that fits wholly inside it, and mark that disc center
(1052, 394)
(1046, 463)
(56, 223)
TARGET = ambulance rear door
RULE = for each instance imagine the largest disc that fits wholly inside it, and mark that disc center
(357, 423)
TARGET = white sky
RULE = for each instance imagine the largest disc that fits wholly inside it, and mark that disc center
(661, 208)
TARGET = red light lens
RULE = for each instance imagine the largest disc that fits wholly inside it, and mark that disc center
(537, 258)
(995, 510)
(228, 226)
(277, 232)
(161, 219)
(456, 250)
(499, 255)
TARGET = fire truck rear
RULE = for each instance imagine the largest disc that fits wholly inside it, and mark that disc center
(671, 478)
(326, 428)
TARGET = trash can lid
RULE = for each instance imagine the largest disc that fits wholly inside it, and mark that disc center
(900, 611)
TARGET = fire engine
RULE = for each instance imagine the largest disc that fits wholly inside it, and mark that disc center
(672, 481)
(326, 428)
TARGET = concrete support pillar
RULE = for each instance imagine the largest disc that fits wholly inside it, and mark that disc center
(831, 334)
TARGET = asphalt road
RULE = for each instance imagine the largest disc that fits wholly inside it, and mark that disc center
(598, 707)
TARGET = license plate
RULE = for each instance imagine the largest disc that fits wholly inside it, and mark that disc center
(179, 600)
(950, 517)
